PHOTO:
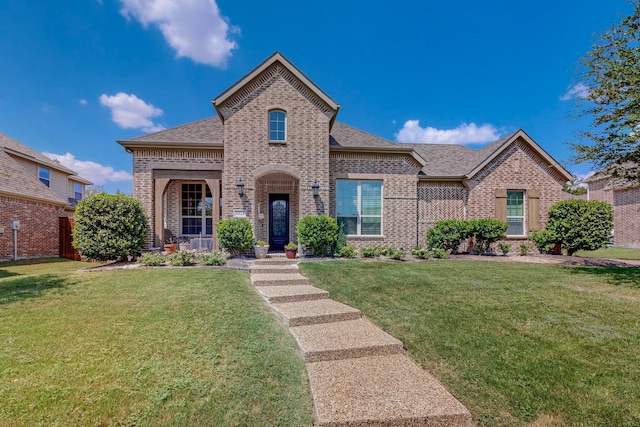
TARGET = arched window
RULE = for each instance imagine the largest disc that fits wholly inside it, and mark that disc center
(277, 125)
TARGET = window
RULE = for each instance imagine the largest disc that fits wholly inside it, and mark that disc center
(44, 175)
(359, 207)
(77, 191)
(197, 209)
(277, 125)
(515, 213)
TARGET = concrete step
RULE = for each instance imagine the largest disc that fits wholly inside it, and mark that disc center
(275, 261)
(274, 269)
(291, 293)
(342, 340)
(274, 279)
(314, 312)
(389, 390)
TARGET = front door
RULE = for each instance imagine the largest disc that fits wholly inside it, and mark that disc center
(278, 221)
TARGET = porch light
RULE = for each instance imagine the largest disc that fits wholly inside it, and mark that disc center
(315, 188)
(240, 187)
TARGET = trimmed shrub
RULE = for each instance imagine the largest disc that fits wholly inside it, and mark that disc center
(235, 235)
(347, 251)
(182, 258)
(544, 240)
(447, 234)
(422, 253)
(320, 234)
(395, 253)
(505, 248)
(440, 253)
(214, 258)
(524, 248)
(486, 232)
(369, 252)
(581, 224)
(151, 259)
(109, 227)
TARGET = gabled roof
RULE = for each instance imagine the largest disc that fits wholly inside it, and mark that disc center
(276, 57)
(13, 147)
(199, 134)
(16, 181)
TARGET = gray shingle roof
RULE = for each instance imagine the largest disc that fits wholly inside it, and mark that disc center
(20, 149)
(204, 131)
(346, 136)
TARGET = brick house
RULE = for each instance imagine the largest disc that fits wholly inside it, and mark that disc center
(275, 153)
(624, 197)
(36, 191)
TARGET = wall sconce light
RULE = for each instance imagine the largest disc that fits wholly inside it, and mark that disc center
(315, 188)
(240, 187)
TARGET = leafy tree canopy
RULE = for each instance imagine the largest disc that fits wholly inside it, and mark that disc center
(610, 73)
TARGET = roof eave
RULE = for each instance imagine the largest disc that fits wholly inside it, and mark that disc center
(22, 196)
(441, 177)
(51, 163)
(129, 144)
(521, 134)
(382, 150)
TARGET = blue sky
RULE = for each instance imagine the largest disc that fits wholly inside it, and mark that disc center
(79, 74)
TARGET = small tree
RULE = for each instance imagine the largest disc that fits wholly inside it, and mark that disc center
(318, 233)
(109, 227)
(580, 224)
(235, 235)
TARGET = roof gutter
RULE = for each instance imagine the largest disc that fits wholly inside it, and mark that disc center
(128, 144)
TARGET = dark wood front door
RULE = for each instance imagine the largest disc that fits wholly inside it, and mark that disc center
(278, 221)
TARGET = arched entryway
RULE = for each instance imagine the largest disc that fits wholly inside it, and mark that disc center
(277, 209)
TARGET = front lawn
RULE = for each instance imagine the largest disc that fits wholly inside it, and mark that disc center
(612, 253)
(518, 344)
(191, 347)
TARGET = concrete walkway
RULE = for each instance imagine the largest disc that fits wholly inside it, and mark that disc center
(359, 374)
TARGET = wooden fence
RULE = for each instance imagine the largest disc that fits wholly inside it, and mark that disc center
(66, 250)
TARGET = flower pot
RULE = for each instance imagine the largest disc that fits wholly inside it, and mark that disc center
(291, 254)
(170, 248)
(260, 251)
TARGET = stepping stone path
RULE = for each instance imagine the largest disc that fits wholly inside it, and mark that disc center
(359, 375)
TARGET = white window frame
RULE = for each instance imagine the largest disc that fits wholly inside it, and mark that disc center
(284, 139)
(523, 217)
(359, 214)
(43, 179)
(203, 215)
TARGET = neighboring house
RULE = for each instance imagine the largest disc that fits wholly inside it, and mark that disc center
(36, 191)
(624, 197)
(275, 153)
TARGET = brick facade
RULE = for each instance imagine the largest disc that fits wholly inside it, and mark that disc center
(38, 234)
(626, 217)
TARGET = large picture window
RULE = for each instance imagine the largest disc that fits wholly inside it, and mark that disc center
(515, 213)
(197, 209)
(359, 207)
(277, 125)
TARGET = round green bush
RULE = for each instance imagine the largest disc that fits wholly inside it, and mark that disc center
(320, 234)
(235, 235)
(109, 227)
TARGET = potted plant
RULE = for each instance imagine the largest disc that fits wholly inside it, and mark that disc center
(291, 249)
(184, 245)
(260, 249)
(170, 245)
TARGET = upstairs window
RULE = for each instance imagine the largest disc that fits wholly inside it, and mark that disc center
(77, 191)
(515, 213)
(44, 175)
(277, 125)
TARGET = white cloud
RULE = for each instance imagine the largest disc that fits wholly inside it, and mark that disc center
(94, 172)
(578, 91)
(580, 177)
(83, 102)
(131, 112)
(194, 28)
(464, 134)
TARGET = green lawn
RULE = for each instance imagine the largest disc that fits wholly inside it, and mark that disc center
(613, 253)
(191, 347)
(518, 344)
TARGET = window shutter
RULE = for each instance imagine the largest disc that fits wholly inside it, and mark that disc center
(533, 219)
(501, 204)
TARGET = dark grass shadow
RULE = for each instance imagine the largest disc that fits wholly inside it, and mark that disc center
(617, 276)
(32, 261)
(5, 273)
(25, 288)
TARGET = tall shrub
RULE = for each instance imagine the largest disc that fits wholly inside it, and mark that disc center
(486, 232)
(447, 234)
(235, 235)
(581, 224)
(109, 227)
(318, 233)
